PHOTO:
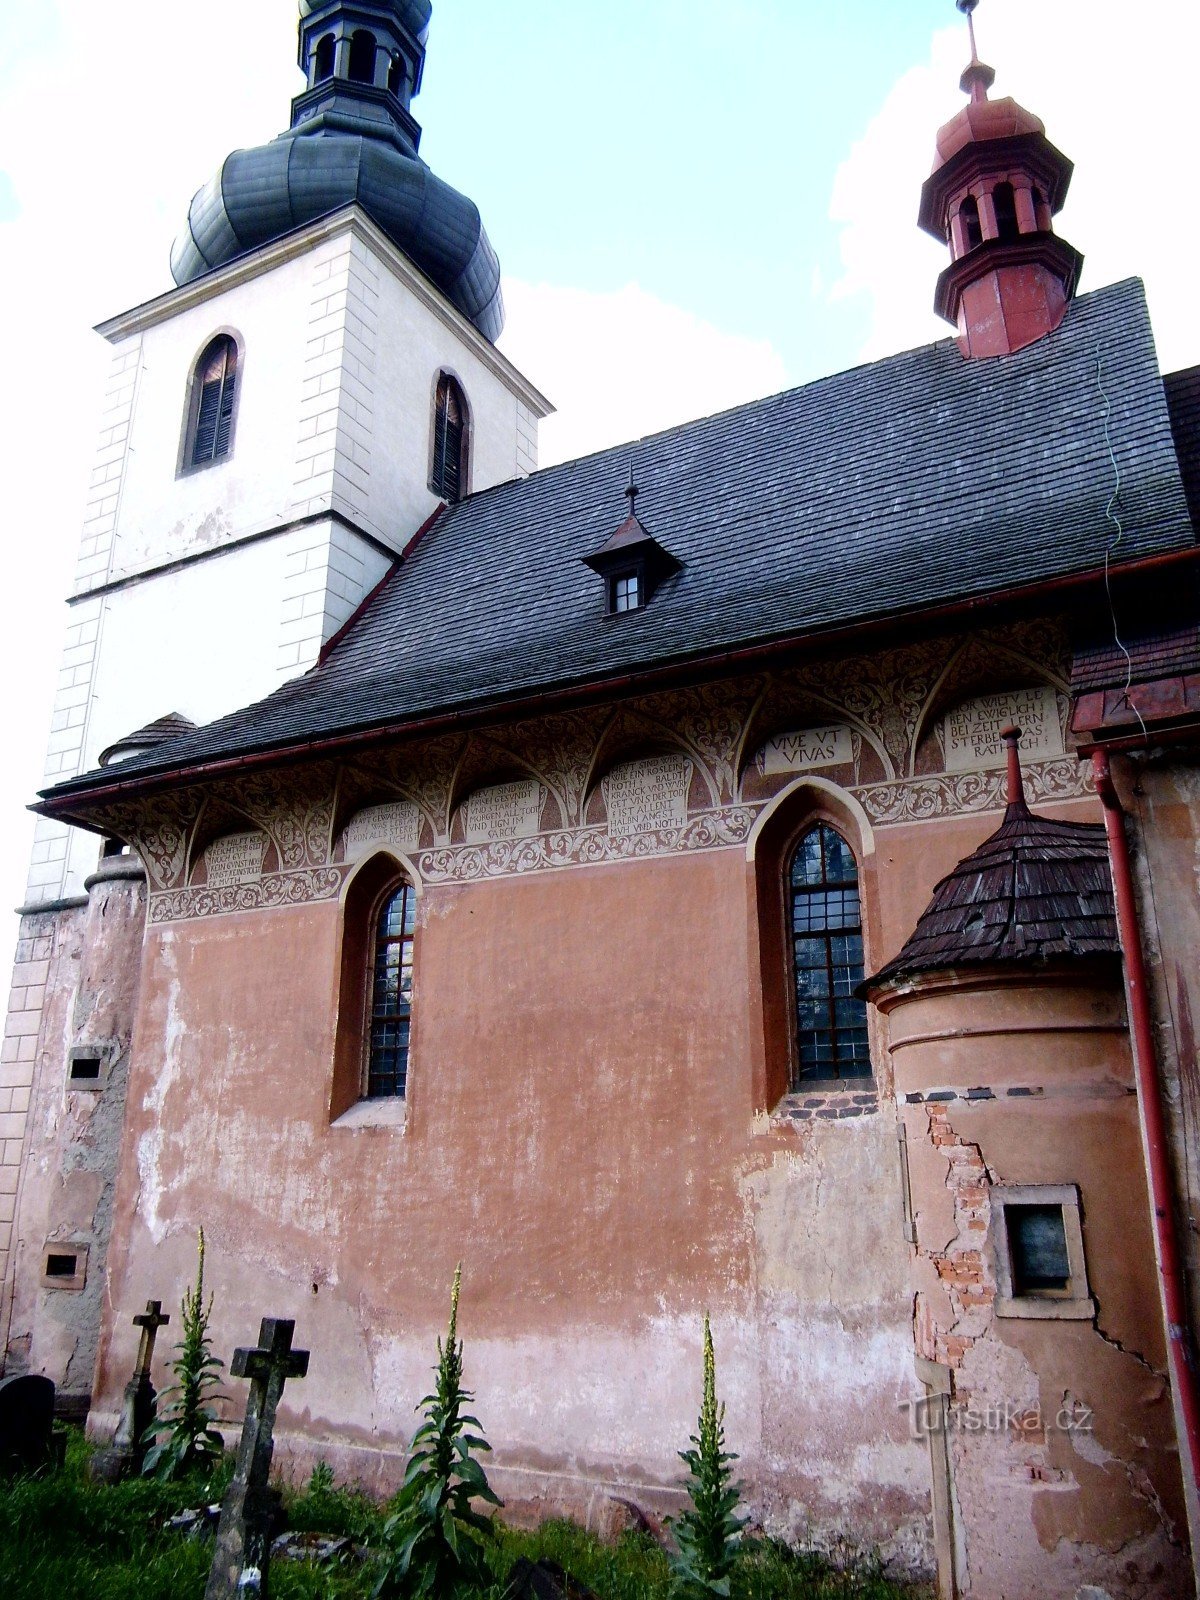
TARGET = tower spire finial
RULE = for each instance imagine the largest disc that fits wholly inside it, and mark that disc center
(978, 78)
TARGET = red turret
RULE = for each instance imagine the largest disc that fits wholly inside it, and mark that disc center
(997, 182)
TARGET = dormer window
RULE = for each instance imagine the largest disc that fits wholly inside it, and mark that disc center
(625, 591)
(632, 563)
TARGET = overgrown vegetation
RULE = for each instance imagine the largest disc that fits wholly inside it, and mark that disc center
(709, 1531)
(62, 1536)
(183, 1437)
(435, 1537)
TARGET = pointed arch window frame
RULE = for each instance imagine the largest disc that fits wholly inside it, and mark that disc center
(212, 404)
(823, 901)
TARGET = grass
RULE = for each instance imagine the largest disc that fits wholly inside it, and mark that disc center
(62, 1536)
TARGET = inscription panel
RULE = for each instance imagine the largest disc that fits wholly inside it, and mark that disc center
(811, 747)
(398, 825)
(647, 796)
(237, 858)
(971, 732)
(505, 811)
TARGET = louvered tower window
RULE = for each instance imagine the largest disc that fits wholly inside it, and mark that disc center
(449, 479)
(391, 995)
(827, 953)
(216, 385)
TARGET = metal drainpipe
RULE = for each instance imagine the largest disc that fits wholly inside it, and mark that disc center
(1158, 1171)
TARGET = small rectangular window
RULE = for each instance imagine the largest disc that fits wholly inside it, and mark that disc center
(627, 592)
(1037, 1247)
(1037, 1240)
(64, 1266)
(85, 1069)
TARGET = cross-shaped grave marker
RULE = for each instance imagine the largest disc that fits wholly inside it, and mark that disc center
(243, 1549)
(139, 1407)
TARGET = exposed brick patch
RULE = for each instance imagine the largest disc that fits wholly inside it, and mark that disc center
(963, 1269)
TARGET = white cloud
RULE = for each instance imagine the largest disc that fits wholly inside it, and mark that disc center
(621, 365)
(1097, 75)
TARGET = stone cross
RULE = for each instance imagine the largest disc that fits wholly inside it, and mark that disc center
(243, 1549)
(149, 1321)
(139, 1407)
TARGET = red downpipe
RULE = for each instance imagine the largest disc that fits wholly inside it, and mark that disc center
(1170, 1260)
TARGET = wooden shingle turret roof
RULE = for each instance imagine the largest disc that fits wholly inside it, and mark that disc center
(1036, 892)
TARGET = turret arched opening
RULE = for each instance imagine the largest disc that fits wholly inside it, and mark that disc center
(324, 57)
(362, 56)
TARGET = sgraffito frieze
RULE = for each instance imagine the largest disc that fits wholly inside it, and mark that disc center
(679, 770)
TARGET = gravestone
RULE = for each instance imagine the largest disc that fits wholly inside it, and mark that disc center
(123, 1458)
(244, 1533)
(26, 1423)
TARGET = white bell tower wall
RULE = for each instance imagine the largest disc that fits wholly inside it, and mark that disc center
(198, 590)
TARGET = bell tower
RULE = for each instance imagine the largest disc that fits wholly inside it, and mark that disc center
(997, 183)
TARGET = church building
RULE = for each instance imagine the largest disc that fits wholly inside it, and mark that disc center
(751, 871)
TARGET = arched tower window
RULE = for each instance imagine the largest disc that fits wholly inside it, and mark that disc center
(397, 73)
(827, 959)
(971, 226)
(390, 1017)
(449, 477)
(214, 394)
(1005, 201)
(325, 55)
(362, 57)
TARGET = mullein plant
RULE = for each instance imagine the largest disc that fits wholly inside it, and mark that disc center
(709, 1531)
(435, 1538)
(182, 1437)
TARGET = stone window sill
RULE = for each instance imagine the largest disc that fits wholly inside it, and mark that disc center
(1045, 1308)
(374, 1114)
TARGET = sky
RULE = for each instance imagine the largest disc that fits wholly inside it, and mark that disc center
(695, 202)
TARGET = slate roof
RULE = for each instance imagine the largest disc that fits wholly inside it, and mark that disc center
(916, 481)
(1036, 891)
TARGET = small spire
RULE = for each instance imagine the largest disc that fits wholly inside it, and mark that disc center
(978, 78)
(1014, 793)
(632, 492)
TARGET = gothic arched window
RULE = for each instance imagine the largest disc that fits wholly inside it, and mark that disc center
(827, 959)
(211, 409)
(449, 476)
(362, 57)
(390, 1016)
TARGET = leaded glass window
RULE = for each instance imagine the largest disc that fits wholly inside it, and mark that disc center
(391, 996)
(827, 952)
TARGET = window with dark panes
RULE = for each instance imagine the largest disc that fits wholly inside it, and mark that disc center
(627, 592)
(449, 441)
(216, 382)
(827, 952)
(1037, 1247)
(391, 996)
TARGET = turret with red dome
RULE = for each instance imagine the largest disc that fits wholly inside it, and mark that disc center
(996, 184)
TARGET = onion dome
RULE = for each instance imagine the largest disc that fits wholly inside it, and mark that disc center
(996, 185)
(353, 139)
(1037, 892)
